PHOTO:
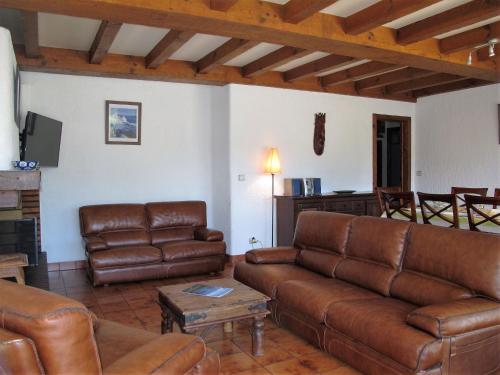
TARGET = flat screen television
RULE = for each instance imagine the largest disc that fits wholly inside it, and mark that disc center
(41, 140)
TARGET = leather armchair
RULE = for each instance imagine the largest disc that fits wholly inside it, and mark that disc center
(44, 333)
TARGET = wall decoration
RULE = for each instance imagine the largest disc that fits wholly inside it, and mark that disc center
(123, 123)
(319, 133)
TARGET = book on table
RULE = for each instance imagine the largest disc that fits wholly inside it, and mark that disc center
(208, 290)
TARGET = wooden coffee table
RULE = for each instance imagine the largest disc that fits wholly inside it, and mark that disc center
(193, 312)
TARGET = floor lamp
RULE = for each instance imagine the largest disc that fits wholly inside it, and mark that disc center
(272, 167)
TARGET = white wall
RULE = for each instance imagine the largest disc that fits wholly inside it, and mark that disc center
(457, 140)
(9, 133)
(173, 162)
(266, 117)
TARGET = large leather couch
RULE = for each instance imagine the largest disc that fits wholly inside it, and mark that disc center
(44, 333)
(386, 296)
(130, 242)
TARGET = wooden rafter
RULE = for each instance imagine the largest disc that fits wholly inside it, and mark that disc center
(317, 67)
(102, 42)
(228, 51)
(295, 11)
(273, 60)
(357, 73)
(222, 5)
(30, 30)
(261, 21)
(381, 13)
(463, 15)
(421, 83)
(460, 85)
(166, 47)
(470, 39)
(391, 77)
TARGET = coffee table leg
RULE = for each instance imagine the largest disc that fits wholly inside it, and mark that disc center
(257, 337)
(166, 321)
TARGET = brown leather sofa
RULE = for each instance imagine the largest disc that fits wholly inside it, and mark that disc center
(129, 242)
(44, 333)
(386, 296)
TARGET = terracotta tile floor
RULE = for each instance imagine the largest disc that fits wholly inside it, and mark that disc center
(134, 304)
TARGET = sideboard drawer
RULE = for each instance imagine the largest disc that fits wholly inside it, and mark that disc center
(310, 206)
(343, 206)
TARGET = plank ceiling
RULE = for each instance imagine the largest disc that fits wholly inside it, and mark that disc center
(394, 49)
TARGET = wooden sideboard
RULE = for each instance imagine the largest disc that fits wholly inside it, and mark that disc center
(289, 207)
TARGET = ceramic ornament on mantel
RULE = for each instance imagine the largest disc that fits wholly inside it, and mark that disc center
(319, 133)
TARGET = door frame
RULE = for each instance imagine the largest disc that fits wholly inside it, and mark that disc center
(405, 149)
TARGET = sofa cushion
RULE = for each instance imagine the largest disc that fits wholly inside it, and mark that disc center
(176, 250)
(381, 325)
(112, 217)
(176, 214)
(125, 256)
(160, 236)
(266, 277)
(374, 253)
(443, 264)
(319, 294)
(321, 250)
(126, 238)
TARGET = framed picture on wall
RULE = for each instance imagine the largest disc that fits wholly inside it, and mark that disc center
(123, 123)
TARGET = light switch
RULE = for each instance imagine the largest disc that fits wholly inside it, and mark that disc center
(419, 173)
(241, 177)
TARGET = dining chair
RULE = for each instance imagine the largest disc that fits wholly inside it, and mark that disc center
(479, 215)
(461, 191)
(389, 189)
(436, 209)
(496, 194)
(400, 203)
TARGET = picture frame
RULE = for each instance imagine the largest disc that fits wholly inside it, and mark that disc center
(123, 123)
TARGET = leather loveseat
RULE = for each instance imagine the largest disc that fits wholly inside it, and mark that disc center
(386, 296)
(130, 242)
(44, 333)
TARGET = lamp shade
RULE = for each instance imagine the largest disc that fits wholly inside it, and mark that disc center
(273, 162)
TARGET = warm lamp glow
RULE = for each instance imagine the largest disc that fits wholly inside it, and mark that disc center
(273, 162)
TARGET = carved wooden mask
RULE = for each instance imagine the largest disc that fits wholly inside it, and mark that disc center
(319, 133)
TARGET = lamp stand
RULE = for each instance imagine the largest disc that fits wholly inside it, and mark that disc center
(272, 209)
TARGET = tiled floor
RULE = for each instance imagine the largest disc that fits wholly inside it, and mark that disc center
(135, 304)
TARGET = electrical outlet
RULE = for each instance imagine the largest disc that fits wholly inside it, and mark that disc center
(252, 240)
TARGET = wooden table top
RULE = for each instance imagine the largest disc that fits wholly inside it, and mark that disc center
(13, 260)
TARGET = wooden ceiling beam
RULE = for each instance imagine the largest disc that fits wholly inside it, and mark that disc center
(454, 86)
(166, 47)
(358, 72)
(295, 11)
(469, 39)
(63, 61)
(228, 51)
(30, 31)
(102, 42)
(261, 21)
(381, 13)
(222, 5)
(455, 18)
(391, 77)
(273, 60)
(316, 67)
(421, 83)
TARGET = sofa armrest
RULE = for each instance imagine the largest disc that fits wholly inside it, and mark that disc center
(206, 234)
(284, 254)
(94, 243)
(168, 354)
(456, 317)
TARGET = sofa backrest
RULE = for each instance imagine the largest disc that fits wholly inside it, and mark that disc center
(172, 221)
(60, 328)
(442, 264)
(374, 253)
(116, 224)
(321, 250)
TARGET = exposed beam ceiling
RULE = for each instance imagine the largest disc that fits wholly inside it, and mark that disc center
(30, 30)
(391, 77)
(228, 51)
(470, 39)
(316, 67)
(273, 60)
(463, 15)
(295, 11)
(381, 13)
(166, 47)
(420, 83)
(102, 42)
(465, 84)
(357, 73)
(222, 5)
(261, 21)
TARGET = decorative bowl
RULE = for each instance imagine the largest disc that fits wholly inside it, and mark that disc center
(26, 165)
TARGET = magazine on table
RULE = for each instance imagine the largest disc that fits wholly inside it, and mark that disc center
(208, 290)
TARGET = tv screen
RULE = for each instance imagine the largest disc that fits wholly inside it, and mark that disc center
(41, 140)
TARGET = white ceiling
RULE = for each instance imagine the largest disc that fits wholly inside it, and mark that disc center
(78, 33)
